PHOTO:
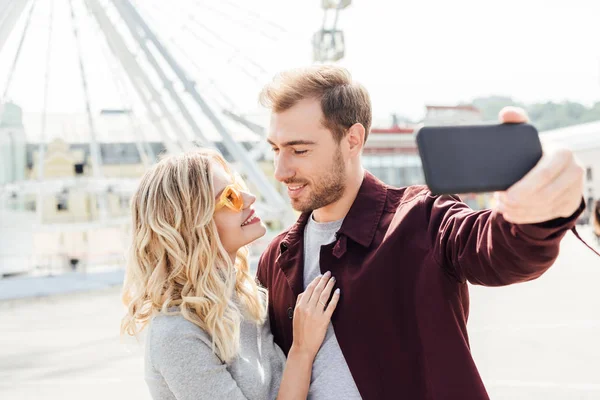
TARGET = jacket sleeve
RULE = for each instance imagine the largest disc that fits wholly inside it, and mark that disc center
(483, 248)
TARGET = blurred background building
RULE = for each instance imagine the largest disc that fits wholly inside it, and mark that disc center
(95, 91)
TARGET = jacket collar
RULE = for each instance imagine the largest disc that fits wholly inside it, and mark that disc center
(362, 220)
(360, 225)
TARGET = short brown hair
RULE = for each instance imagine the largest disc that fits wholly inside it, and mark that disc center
(343, 101)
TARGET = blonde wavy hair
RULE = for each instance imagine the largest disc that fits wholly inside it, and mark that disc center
(176, 257)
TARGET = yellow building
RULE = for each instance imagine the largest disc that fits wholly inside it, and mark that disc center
(72, 161)
(75, 211)
(71, 229)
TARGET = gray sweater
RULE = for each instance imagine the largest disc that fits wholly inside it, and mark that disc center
(181, 365)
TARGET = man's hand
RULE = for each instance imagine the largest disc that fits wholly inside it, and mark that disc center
(552, 189)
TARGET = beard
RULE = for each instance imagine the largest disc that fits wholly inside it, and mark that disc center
(326, 189)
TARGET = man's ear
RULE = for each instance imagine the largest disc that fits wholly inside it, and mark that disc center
(356, 138)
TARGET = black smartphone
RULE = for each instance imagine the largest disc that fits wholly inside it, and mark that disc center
(477, 158)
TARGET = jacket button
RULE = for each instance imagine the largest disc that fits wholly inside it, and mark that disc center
(290, 313)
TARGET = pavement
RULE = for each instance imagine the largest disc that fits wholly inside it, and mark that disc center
(35, 287)
(26, 288)
(540, 340)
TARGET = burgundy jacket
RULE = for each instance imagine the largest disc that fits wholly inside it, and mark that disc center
(402, 259)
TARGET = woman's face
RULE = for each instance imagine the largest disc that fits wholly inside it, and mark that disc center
(236, 228)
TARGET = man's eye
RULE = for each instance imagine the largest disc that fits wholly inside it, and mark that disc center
(299, 152)
(275, 149)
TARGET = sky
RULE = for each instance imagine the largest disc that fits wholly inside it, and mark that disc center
(407, 53)
(449, 51)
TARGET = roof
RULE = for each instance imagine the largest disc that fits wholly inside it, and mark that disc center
(394, 129)
(464, 107)
(126, 153)
(575, 136)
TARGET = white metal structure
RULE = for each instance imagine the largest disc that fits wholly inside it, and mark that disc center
(142, 66)
(328, 42)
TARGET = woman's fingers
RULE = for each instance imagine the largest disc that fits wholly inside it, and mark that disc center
(312, 317)
(333, 303)
(309, 291)
(316, 294)
(326, 294)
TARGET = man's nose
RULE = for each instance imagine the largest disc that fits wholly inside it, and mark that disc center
(283, 172)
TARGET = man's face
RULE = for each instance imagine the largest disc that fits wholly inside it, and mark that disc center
(307, 158)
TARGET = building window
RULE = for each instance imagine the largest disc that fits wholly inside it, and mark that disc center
(124, 200)
(78, 169)
(30, 205)
(62, 203)
(588, 174)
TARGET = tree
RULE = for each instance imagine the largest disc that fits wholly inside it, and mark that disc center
(544, 116)
(491, 106)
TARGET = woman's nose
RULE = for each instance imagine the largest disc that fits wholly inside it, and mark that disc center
(249, 199)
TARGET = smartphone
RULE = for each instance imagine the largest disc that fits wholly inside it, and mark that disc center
(477, 158)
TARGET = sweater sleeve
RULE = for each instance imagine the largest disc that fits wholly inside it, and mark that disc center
(190, 368)
(483, 248)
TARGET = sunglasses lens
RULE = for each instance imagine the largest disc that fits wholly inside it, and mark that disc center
(234, 198)
(238, 202)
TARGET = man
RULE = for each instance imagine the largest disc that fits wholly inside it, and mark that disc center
(401, 257)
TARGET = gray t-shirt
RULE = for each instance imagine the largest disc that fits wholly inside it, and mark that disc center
(331, 378)
(180, 364)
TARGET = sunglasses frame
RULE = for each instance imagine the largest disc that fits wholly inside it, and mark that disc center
(223, 201)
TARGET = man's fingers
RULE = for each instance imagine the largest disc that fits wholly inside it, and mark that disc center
(564, 204)
(564, 184)
(569, 182)
(332, 304)
(552, 189)
(512, 115)
(546, 171)
(558, 198)
(567, 207)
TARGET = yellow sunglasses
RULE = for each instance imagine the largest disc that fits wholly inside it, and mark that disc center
(231, 197)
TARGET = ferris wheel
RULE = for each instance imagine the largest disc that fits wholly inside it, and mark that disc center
(165, 63)
(166, 76)
(171, 98)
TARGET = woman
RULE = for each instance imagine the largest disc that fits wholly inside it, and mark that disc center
(187, 279)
